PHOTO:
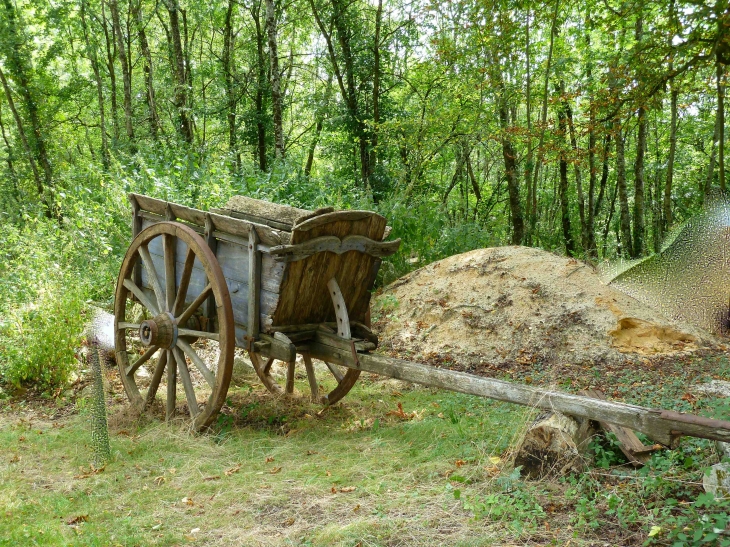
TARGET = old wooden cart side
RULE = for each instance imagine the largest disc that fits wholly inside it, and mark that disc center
(240, 277)
(278, 282)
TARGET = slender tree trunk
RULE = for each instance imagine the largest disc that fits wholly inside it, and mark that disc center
(529, 162)
(91, 53)
(639, 241)
(543, 117)
(623, 195)
(590, 247)
(711, 166)
(563, 185)
(275, 78)
(373, 159)
(144, 46)
(667, 203)
(228, 64)
(720, 72)
(318, 127)
(604, 174)
(10, 158)
(111, 53)
(126, 69)
(180, 99)
(576, 167)
(260, 88)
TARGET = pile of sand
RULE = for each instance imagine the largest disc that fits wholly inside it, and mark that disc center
(500, 306)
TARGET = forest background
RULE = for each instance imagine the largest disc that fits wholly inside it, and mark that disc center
(590, 128)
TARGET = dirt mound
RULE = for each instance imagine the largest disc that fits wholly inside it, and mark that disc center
(500, 306)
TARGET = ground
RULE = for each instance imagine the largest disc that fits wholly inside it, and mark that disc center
(393, 465)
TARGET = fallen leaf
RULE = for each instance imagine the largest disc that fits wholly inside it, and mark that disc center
(78, 519)
(212, 478)
(15, 459)
(328, 473)
(232, 470)
(269, 459)
(188, 501)
(85, 474)
(495, 459)
(356, 508)
(274, 470)
(195, 530)
(333, 490)
(289, 521)
(654, 531)
(312, 452)
(459, 463)
(159, 480)
(346, 489)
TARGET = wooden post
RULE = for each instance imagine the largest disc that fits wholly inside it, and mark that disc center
(209, 311)
(254, 284)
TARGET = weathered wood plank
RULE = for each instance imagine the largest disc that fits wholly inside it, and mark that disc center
(284, 214)
(254, 285)
(333, 244)
(336, 216)
(663, 426)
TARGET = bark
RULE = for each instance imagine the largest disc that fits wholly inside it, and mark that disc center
(228, 63)
(623, 197)
(529, 160)
(318, 127)
(126, 69)
(275, 78)
(180, 99)
(111, 53)
(373, 159)
(20, 69)
(563, 187)
(10, 158)
(260, 89)
(667, 203)
(144, 46)
(720, 72)
(576, 168)
(604, 174)
(639, 241)
(705, 191)
(91, 54)
(590, 244)
(543, 117)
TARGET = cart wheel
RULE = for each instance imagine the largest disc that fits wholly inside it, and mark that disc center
(182, 281)
(345, 377)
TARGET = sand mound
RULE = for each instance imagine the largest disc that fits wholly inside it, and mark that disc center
(507, 305)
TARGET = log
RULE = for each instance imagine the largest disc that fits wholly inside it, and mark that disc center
(554, 445)
(281, 214)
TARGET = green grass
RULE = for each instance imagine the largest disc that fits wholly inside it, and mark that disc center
(275, 472)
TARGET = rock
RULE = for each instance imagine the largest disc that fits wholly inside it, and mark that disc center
(243, 372)
(717, 388)
(723, 449)
(717, 482)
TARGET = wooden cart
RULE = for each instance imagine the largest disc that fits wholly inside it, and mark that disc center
(281, 282)
(256, 275)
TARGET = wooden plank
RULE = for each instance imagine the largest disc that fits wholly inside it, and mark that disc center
(254, 285)
(663, 426)
(333, 244)
(336, 216)
(284, 214)
(630, 445)
(253, 218)
(267, 235)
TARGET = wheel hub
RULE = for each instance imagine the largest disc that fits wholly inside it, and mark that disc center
(160, 331)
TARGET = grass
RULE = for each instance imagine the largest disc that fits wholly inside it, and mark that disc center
(363, 473)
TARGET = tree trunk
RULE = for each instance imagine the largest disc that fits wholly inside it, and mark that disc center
(623, 196)
(590, 248)
(576, 168)
(144, 46)
(667, 203)
(275, 78)
(639, 241)
(111, 53)
(529, 162)
(720, 72)
(228, 64)
(372, 160)
(91, 53)
(563, 186)
(20, 71)
(10, 159)
(126, 69)
(318, 127)
(604, 174)
(180, 99)
(260, 88)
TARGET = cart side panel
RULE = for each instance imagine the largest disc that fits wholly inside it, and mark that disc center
(303, 297)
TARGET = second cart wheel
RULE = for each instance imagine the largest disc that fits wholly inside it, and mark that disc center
(182, 332)
(344, 378)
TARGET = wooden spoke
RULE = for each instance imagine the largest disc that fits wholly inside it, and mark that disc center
(290, 378)
(182, 290)
(195, 305)
(171, 390)
(187, 382)
(141, 296)
(197, 361)
(156, 378)
(169, 243)
(124, 325)
(335, 371)
(154, 281)
(198, 334)
(314, 388)
(131, 369)
(267, 366)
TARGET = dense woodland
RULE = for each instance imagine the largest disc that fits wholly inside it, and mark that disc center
(589, 128)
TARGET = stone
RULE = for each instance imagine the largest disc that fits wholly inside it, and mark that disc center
(243, 372)
(717, 482)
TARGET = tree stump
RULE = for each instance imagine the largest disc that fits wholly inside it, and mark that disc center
(554, 445)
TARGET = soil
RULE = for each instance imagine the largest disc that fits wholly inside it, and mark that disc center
(496, 308)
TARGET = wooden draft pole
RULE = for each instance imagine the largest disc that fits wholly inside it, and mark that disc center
(662, 426)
